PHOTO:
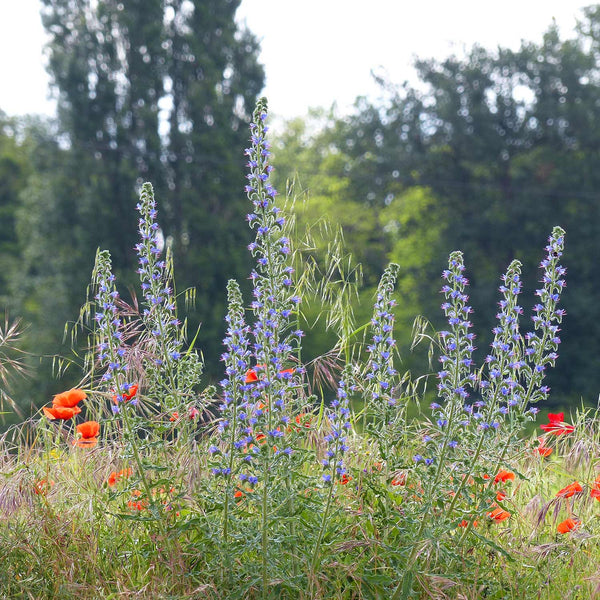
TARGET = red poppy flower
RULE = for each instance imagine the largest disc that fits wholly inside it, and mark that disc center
(570, 490)
(174, 416)
(89, 429)
(542, 449)
(595, 491)
(500, 496)
(498, 514)
(137, 504)
(303, 420)
(117, 475)
(88, 433)
(131, 393)
(345, 478)
(42, 486)
(465, 523)
(504, 476)
(556, 425)
(239, 494)
(399, 479)
(69, 399)
(568, 525)
(133, 390)
(63, 413)
(251, 376)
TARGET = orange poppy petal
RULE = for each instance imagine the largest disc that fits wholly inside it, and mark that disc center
(556, 425)
(465, 523)
(116, 475)
(251, 376)
(498, 514)
(89, 429)
(568, 525)
(70, 398)
(42, 486)
(504, 476)
(131, 393)
(399, 479)
(61, 412)
(570, 490)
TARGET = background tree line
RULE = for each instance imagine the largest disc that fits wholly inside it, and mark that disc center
(485, 154)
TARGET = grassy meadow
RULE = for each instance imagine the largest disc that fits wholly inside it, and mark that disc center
(141, 482)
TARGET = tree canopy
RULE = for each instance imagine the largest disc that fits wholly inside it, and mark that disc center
(486, 154)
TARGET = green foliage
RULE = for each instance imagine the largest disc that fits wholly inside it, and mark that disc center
(14, 171)
(486, 154)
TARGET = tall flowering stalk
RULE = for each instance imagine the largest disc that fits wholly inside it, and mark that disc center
(473, 440)
(338, 416)
(538, 348)
(112, 356)
(456, 377)
(235, 427)
(502, 391)
(269, 410)
(496, 411)
(381, 376)
(171, 374)
(542, 343)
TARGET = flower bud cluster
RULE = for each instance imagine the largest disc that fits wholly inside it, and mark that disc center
(502, 390)
(235, 425)
(542, 343)
(381, 373)
(110, 344)
(160, 312)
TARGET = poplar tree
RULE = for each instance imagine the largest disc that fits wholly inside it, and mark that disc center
(160, 91)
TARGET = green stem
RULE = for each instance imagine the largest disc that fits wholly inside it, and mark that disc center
(316, 552)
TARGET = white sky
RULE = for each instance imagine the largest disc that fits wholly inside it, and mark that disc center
(316, 52)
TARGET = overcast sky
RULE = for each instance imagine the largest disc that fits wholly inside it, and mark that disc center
(315, 52)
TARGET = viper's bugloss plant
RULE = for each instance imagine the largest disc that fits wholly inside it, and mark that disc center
(235, 426)
(257, 442)
(171, 374)
(381, 373)
(340, 427)
(476, 429)
(386, 403)
(111, 350)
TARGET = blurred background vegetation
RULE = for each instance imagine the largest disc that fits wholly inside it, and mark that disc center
(485, 154)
